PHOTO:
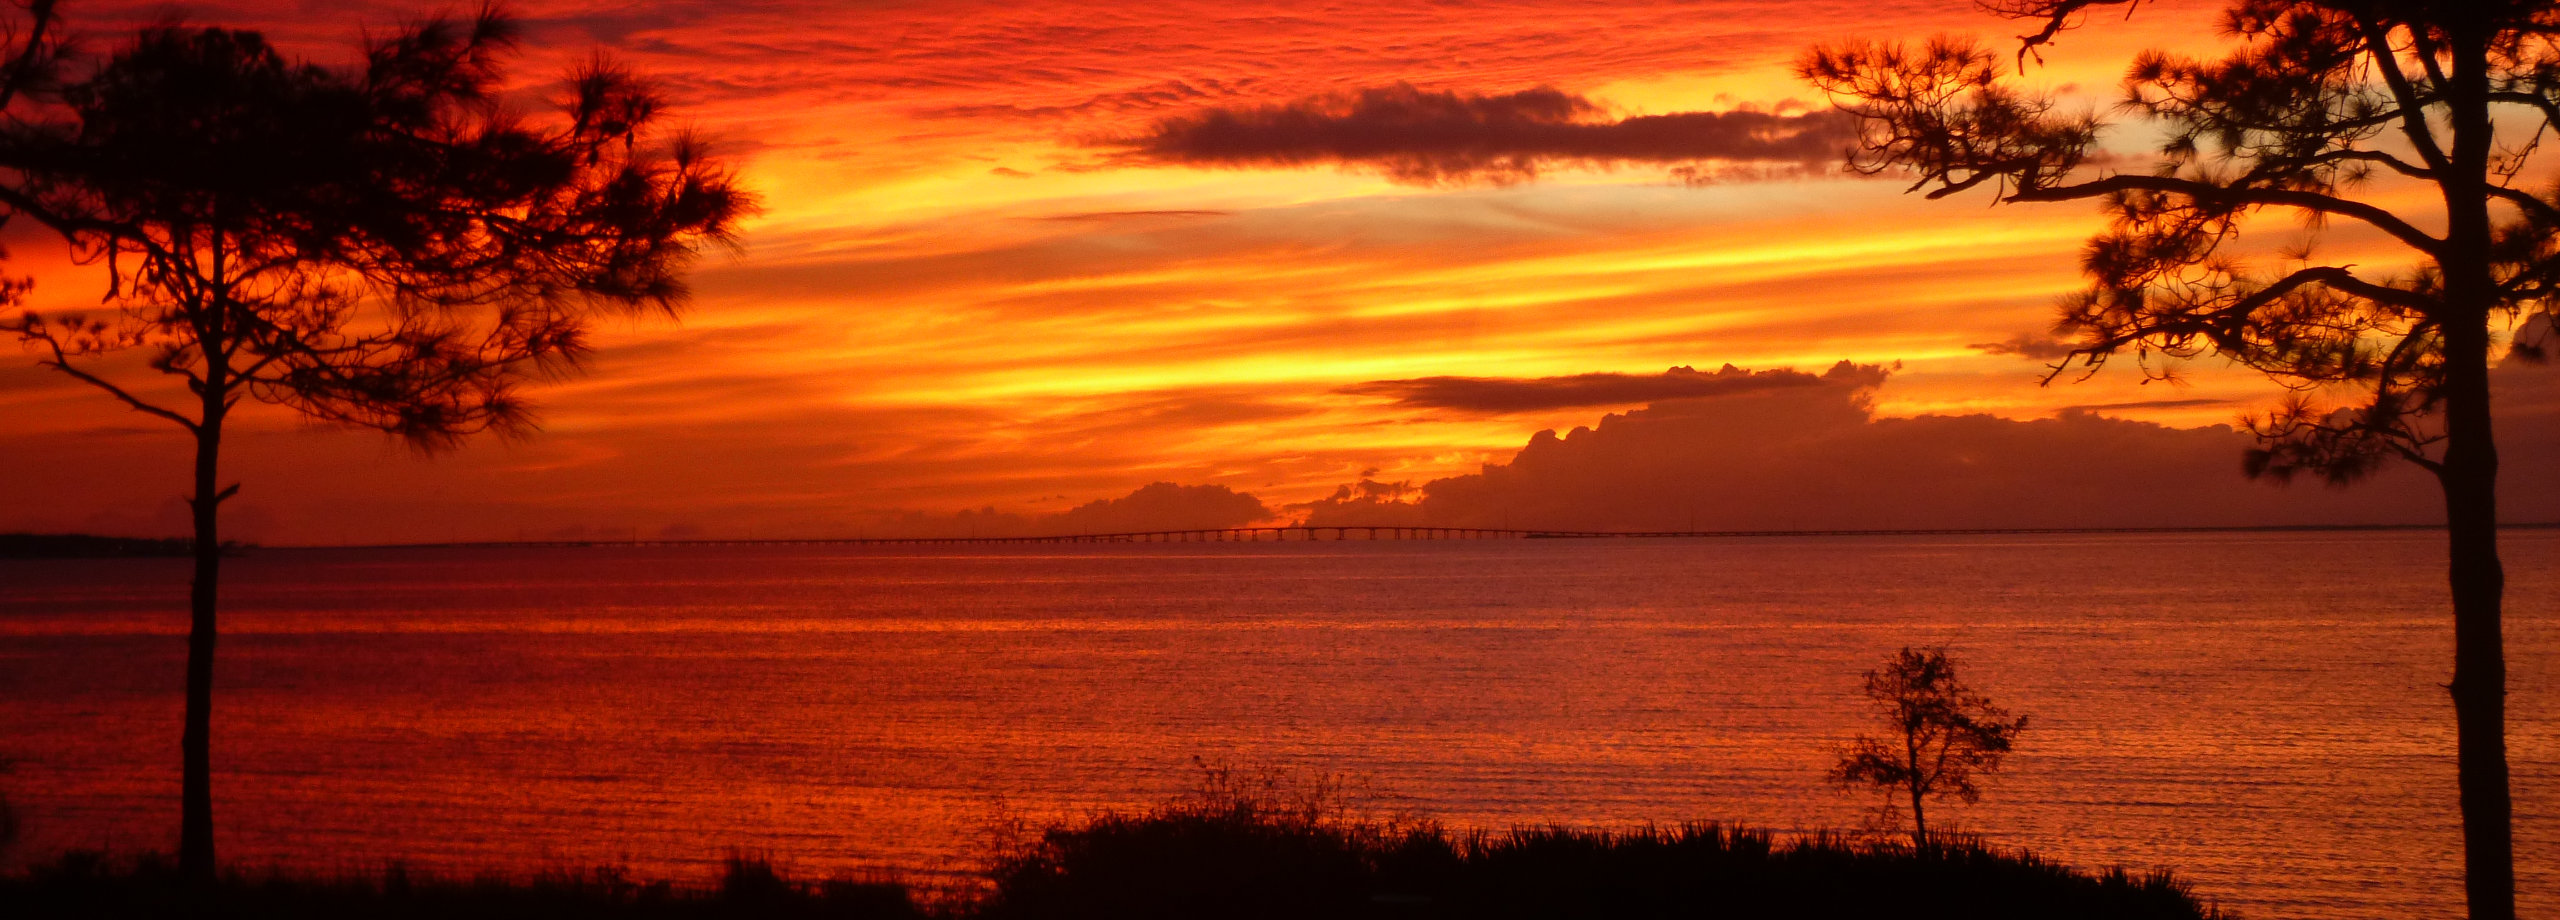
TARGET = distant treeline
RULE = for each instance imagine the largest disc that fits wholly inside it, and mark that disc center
(81, 545)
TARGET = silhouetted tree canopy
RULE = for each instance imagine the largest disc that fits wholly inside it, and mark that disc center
(386, 244)
(32, 51)
(2414, 122)
(2321, 102)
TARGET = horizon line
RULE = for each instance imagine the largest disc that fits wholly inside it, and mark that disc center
(1398, 532)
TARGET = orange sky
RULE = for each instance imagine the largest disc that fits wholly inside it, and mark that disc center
(973, 287)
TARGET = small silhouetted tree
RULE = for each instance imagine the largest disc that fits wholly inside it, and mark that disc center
(385, 244)
(2323, 107)
(1939, 736)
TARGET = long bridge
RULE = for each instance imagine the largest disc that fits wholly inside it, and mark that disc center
(1298, 532)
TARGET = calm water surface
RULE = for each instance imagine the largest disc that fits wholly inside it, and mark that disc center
(2261, 712)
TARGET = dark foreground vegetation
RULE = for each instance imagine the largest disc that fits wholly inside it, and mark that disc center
(1240, 860)
(89, 886)
(1222, 857)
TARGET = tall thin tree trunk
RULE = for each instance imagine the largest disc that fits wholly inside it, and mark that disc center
(2469, 475)
(2470, 480)
(195, 822)
(195, 743)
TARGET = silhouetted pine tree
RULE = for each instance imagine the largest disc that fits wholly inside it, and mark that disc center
(2322, 102)
(381, 244)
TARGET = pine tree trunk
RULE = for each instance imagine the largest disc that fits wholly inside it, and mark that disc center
(2469, 475)
(195, 821)
(2470, 480)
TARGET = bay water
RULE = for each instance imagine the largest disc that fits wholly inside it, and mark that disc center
(2262, 712)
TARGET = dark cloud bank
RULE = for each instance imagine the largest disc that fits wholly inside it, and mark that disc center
(1789, 450)
(1424, 137)
(1501, 395)
(1808, 453)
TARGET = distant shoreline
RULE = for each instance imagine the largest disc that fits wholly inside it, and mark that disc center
(90, 546)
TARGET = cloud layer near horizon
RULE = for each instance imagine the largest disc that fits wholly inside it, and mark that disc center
(1157, 506)
(1816, 457)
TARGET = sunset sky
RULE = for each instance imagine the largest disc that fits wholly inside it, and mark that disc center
(1015, 258)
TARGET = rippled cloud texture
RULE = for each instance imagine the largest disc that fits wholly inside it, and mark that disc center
(1022, 258)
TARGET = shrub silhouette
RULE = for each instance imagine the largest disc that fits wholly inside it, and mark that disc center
(1939, 735)
(1262, 845)
(1261, 855)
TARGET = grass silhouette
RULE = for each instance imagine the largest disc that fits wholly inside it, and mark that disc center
(1245, 848)
(1246, 854)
